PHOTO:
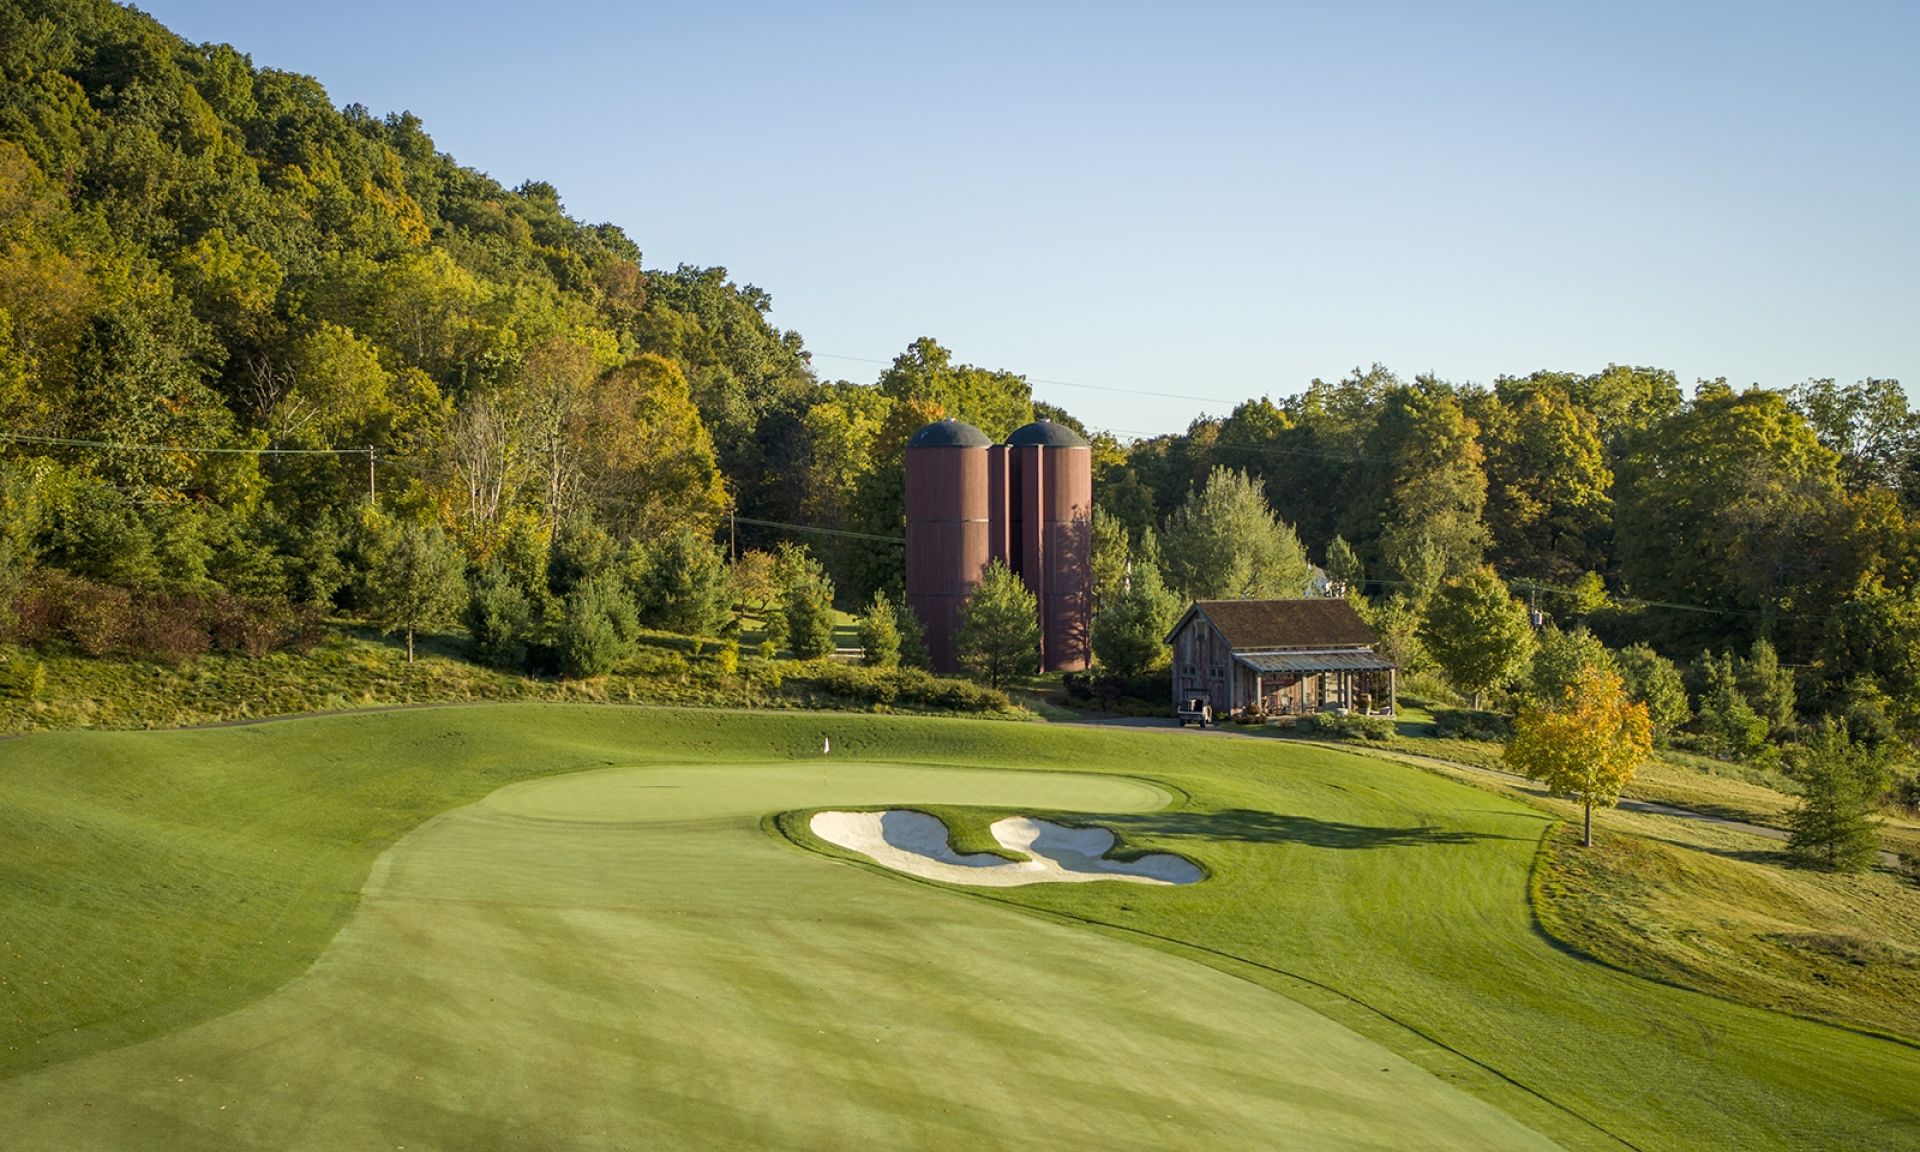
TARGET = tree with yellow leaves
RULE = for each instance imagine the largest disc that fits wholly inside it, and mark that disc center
(1586, 744)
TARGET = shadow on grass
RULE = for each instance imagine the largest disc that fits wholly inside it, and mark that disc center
(1281, 828)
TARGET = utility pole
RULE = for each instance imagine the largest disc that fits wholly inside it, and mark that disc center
(372, 497)
(733, 536)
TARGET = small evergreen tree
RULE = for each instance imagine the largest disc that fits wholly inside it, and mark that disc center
(999, 628)
(681, 585)
(1727, 724)
(806, 599)
(913, 638)
(1840, 781)
(1129, 634)
(598, 630)
(498, 620)
(417, 581)
(1343, 566)
(1768, 688)
(880, 633)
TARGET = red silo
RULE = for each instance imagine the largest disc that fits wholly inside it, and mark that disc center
(947, 525)
(1049, 537)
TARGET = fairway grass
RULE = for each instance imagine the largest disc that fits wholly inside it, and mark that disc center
(626, 957)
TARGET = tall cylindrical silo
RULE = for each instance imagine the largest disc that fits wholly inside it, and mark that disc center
(1051, 502)
(947, 529)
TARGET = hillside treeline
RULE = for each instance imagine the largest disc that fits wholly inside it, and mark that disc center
(262, 357)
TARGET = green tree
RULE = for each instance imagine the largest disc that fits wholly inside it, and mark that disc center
(598, 629)
(1586, 744)
(1423, 488)
(999, 628)
(1129, 634)
(1768, 688)
(1477, 632)
(913, 638)
(806, 599)
(498, 620)
(994, 402)
(1875, 632)
(1344, 568)
(1653, 680)
(1110, 557)
(417, 581)
(681, 584)
(1727, 505)
(1548, 508)
(1840, 782)
(1560, 657)
(880, 633)
(1225, 543)
(1725, 719)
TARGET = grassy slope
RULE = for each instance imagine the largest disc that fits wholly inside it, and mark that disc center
(624, 959)
(351, 670)
(1393, 892)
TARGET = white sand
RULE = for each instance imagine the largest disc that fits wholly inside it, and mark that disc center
(916, 843)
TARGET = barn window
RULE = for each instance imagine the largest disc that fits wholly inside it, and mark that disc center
(1217, 672)
(1189, 670)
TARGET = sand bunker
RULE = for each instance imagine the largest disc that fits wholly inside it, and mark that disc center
(916, 843)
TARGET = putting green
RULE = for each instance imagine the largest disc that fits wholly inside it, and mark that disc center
(625, 959)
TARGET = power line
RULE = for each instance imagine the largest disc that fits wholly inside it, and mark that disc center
(821, 531)
(1060, 383)
(69, 442)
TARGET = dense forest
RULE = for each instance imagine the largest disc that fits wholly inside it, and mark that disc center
(265, 360)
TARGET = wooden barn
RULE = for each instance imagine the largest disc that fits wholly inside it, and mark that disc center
(1287, 656)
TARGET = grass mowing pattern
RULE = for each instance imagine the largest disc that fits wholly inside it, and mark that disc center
(622, 959)
(1399, 891)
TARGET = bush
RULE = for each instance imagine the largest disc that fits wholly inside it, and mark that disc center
(598, 631)
(253, 625)
(1372, 729)
(170, 629)
(498, 618)
(96, 617)
(22, 677)
(1471, 724)
(1252, 714)
(849, 684)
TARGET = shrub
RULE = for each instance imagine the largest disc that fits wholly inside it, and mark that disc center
(1252, 714)
(168, 628)
(598, 631)
(880, 633)
(1372, 729)
(1471, 724)
(498, 618)
(96, 617)
(252, 625)
(22, 677)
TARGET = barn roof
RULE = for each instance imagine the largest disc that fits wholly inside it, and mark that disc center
(1264, 625)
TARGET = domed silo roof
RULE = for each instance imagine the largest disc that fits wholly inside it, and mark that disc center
(1046, 434)
(949, 434)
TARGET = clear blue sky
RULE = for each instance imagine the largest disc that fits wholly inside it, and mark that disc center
(1216, 201)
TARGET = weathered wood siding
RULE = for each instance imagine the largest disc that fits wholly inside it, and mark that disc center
(1203, 666)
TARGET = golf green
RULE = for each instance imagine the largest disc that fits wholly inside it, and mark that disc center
(624, 958)
(571, 926)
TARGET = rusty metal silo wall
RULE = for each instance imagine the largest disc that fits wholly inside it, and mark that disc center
(947, 535)
(1050, 542)
(1066, 607)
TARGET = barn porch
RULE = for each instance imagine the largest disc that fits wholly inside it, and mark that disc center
(1294, 683)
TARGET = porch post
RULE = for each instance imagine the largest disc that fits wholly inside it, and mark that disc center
(1259, 692)
(1393, 692)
